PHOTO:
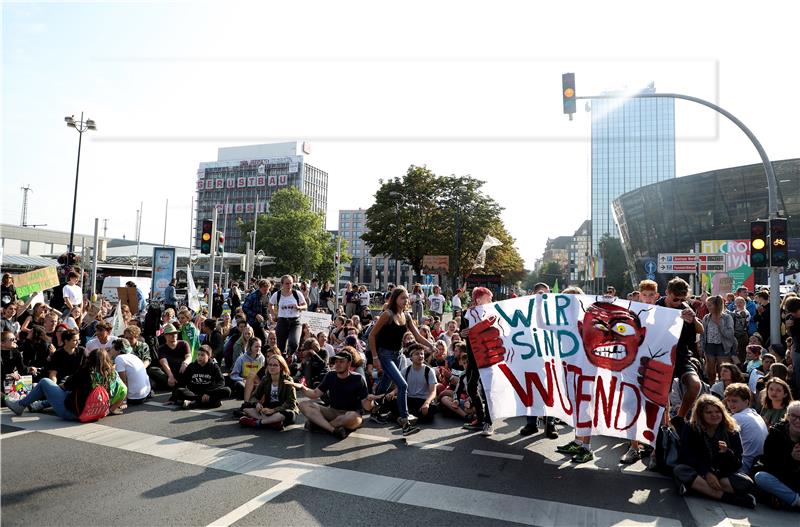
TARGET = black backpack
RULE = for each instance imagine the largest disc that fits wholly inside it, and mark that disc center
(666, 451)
(427, 373)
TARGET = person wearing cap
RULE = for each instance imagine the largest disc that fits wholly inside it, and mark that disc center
(348, 395)
(131, 371)
(173, 358)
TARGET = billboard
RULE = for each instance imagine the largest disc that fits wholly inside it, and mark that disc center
(737, 258)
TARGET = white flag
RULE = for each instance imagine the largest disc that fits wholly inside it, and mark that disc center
(118, 324)
(192, 298)
(488, 243)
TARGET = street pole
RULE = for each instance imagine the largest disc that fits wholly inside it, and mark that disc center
(211, 256)
(336, 260)
(80, 126)
(247, 266)
(94, 257)
(772, 192)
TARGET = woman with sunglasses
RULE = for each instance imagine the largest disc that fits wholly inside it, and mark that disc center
(277, 398)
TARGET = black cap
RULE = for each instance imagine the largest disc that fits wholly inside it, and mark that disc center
(344, 355)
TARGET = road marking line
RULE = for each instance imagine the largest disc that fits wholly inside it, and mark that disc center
(245, 509)
(18, 433)
(157, 404)
(478, 503)
(388, 439)
(488, 453)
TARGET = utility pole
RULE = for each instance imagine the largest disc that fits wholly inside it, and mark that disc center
(24, 220)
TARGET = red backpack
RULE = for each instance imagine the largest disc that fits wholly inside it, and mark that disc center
(97, 405)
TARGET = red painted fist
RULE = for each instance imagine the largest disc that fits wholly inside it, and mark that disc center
(655, 379)
(487, 346)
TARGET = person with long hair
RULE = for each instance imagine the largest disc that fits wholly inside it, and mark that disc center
(417, 301)
(710, 455)
(68, 402)
(775, 400)
(276, 398)
(729, 373)
(717, 340)
(385, 342)
(781, 461)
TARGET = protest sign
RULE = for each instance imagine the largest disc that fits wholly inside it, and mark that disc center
(577, 358)
(127, 295)
(316, 321)
(35, 281)
(19, 388)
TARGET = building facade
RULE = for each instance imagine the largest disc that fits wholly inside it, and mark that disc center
(374, 271)
(241, 183)
(579, 251)
(633, 145)
(677, 216)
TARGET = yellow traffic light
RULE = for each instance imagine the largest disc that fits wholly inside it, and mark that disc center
(758, 244)
(206, 236)
(569, 92)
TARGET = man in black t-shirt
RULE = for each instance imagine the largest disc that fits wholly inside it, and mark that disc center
(67, 359)
(348, 395)
(677, 293)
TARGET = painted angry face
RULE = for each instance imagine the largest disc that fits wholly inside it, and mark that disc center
(611, 336)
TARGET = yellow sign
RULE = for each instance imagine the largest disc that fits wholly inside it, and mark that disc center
(35, 281)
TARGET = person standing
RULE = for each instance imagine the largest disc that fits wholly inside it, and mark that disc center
(234, 297)
(417, 300)
(455, 303)
(285, 306)
(254, 307)
(9, 291)
(170, 297)
(385, 342)
(313, 296)
(436, 302)
(717, 341)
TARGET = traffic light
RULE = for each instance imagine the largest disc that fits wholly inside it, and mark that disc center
(220, 242)
(778, 243)
(759, 256)
(205, 237)
(568, 91)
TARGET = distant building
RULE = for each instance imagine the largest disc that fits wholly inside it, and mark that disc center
(579, 251)
(557, 250)
(243, 179)
(34, 247)
(633, 145)
(375, 271)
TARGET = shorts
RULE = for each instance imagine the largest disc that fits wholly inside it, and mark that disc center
(682, 367)
(331, 413)
(715, 350)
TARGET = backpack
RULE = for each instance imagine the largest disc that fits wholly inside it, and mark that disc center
(427, 373)
(739, 323)
(666, 450)
(97, 405)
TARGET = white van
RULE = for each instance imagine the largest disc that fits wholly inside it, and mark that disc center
(111, 283)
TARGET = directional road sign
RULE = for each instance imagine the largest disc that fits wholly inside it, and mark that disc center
(691, 262)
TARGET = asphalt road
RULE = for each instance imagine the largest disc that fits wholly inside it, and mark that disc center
(158, 466)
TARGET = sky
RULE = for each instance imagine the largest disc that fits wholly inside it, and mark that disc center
(461, 87)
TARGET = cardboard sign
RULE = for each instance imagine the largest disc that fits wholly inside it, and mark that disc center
(35, 281)
(127, 295)
(316, 321)
(18, 389)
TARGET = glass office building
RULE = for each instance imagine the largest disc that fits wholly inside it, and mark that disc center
(633, 145)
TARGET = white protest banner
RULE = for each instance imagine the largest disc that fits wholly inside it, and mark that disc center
(577, 358)
(316, 321)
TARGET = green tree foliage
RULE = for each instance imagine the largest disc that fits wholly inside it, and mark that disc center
(294, 235)
(616, 267)
(423, 213)
(548, 273)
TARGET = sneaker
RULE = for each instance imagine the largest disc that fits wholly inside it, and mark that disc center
(682, 490)
(250, 422)
(409, 429)
(529, 429)
(585, 455)
(14, 406)
(340, 432)
(747, 501)
(646, 451)
(185, 404)
(488, 430)
(379, 418)
(473, 425)
(570, 448)
(38, 406)
(412, 419)
(631, 456)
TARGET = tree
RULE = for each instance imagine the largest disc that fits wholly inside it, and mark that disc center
(293, 234)
(423, 213)
(616, 268)
(548, 273)
(327, 269)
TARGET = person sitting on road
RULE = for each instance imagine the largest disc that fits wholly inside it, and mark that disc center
(139, 348)
(67, 359)
(242, 344)
(421, 381)
(710, 455)
(312, 367)
(131, 371)
(457, 401)
(247, 364)
(203, 385)
(348, 396)
(173, 358)
(776, 399)
(276, 404)
(752, 431)
(780, 477)
(68, 402)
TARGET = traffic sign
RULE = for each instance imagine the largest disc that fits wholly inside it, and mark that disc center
(713, 268)
(650, 267)
(691, 262)
(681, 267)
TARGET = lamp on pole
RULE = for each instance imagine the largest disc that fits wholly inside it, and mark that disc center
(80, 126)
(396, 196)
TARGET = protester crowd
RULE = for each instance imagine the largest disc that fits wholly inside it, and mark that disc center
(732, 430)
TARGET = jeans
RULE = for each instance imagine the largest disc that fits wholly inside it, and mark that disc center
(772, 485)
(47, 390)
(288, 333)
(417, 309)
(390, 362)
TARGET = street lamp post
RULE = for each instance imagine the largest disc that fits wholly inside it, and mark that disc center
(81, 126)
(396, 195)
